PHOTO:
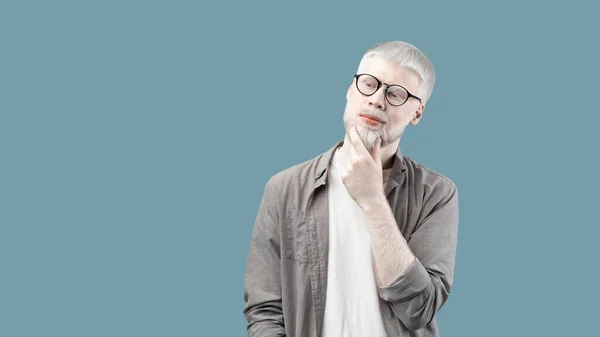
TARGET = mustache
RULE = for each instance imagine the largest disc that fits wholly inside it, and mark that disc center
(376, 113)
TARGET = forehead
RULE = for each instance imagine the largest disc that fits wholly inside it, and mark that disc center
(389, 72)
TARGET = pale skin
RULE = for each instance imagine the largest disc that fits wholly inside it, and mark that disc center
(363, 175)
(364, 182)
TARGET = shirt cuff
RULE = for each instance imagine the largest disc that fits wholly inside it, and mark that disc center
(407, 285)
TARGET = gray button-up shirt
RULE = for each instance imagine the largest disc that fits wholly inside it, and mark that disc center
(286, 275)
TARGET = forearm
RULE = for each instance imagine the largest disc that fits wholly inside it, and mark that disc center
(397, 268)
(415, 276)
(391, 254)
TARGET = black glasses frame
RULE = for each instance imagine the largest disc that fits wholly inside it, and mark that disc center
(379, 84)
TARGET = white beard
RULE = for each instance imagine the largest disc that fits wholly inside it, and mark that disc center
(369, 135)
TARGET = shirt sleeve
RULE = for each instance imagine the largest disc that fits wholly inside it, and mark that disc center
(262, 286)
(420, 292)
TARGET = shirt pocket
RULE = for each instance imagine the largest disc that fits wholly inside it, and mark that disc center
(296, 236)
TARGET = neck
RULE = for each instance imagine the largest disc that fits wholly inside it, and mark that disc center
(387, 152)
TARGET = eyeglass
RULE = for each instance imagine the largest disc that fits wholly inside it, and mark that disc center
(395, 94)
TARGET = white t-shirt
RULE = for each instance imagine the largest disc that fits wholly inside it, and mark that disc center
(352, 303)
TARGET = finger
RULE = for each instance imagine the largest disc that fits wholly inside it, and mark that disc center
(357, 142)
(353, 153)
(376, 152)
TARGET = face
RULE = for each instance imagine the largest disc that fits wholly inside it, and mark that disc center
(392, 119)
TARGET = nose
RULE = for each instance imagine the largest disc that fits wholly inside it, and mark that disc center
(377, 100)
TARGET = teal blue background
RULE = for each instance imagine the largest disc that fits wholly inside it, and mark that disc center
(136, 138)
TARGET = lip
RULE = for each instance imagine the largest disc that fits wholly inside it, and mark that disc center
(371, 117)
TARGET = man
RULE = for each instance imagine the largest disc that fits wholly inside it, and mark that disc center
(361, 240)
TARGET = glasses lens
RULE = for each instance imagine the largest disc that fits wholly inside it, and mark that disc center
(396, 95)
(366, 84)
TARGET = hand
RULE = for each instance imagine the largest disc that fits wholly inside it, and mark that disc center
(363, 177)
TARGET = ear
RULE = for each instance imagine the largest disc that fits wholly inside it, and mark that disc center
(418, 114)
(349, 90)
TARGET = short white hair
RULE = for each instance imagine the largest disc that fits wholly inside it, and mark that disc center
(410, 57)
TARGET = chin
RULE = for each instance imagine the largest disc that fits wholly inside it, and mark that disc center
(369, 136)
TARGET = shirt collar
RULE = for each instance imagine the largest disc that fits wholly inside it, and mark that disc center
(325, 160)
